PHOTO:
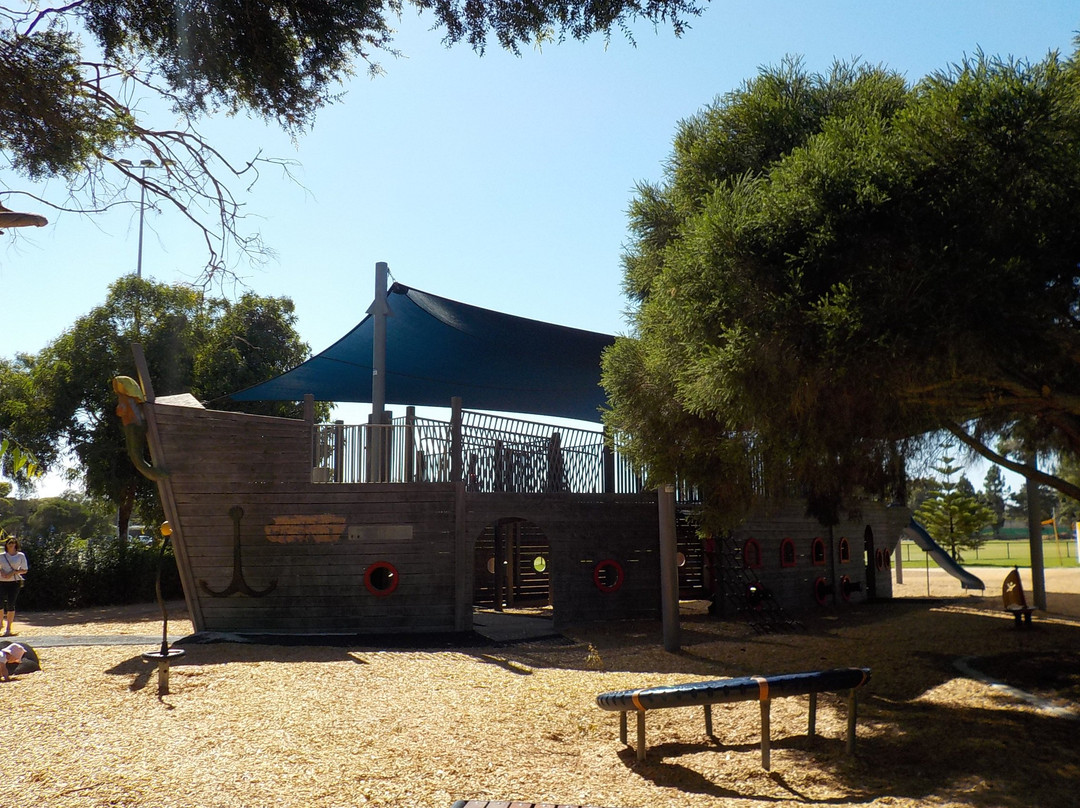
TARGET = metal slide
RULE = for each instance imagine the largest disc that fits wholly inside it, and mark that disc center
(917, 533)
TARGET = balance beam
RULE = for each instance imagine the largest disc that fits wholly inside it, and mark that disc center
(748, 688)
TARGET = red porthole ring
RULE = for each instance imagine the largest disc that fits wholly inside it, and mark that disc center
(787, 553)
(821, 591)
(608, 575)
(751, 554)
(879, 559)
(845, 551)
(381, 579)
(888, 559)
(846, 588)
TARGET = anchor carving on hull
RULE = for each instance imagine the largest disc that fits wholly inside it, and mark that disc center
(238, 584)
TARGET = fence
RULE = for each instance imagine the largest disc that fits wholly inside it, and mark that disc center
(1003, 552)
(493, 453)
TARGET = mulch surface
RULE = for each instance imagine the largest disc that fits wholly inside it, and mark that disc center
(301, 726)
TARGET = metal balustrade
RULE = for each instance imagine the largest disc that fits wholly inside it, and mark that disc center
(498, 454)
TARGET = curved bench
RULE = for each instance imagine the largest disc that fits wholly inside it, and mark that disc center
(748, 688)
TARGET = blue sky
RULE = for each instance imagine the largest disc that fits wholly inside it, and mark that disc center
(501, 181)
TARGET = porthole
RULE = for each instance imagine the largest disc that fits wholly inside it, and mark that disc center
(381, 578)
(844, 551)
(787, 553)
(879, 559)
(821, 591)
(817, 552)
(846, 588)
(608, 575)
(539, 564)
(751, 554)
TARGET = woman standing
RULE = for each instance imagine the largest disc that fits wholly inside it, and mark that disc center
(12, 566)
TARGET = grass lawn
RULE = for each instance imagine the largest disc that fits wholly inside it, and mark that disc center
(1006, 553)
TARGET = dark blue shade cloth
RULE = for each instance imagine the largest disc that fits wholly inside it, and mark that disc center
(439, 348)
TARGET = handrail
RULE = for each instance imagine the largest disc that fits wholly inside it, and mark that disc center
(498, 454)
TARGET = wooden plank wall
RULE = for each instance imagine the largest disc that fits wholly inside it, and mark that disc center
(794, 586)
(311, 542)
(583, 530)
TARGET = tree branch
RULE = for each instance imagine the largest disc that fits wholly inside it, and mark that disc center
(1028, 472)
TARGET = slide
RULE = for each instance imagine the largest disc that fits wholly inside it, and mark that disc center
(917, 533)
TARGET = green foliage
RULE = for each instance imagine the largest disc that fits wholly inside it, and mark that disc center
(838, 263)
(252, 340)
(63, 400)
(70, 573)
(76, 80)
(76, 559)
(994, 496)
(954, 517)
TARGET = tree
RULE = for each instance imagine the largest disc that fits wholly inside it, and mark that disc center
(954, 517)
(73, 77)
(994, 496)
(182, 333)
(830, 267)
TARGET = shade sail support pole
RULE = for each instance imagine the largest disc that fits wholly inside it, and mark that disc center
(379, 312)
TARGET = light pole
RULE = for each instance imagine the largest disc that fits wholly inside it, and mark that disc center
(143, 165)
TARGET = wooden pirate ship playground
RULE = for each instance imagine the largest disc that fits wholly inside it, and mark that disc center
(406, 524)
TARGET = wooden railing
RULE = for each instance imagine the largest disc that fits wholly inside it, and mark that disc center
(495, 454)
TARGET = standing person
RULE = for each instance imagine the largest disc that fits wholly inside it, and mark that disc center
(12, 567)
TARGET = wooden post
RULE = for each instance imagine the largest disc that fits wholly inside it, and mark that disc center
(168, 501)
(456, 471)
(463, 547)
(669, 567)
(607, 456)
(499, 573)
(379, 311)
(766, 730)
(640, 734)
(708, 720)
(852, 710)
(410, 444)
(339, 451)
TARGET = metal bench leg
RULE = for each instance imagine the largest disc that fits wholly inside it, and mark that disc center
(812, 729)
(622, 726)
(708, 720)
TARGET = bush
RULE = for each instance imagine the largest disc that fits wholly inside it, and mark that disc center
(71, 573)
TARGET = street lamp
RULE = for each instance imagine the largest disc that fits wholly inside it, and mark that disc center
(143, 165)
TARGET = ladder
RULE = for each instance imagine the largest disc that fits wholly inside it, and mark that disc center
(740, 593)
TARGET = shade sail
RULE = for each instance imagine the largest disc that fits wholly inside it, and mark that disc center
(439, 348)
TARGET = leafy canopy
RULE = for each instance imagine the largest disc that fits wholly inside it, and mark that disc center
(74, 78)
(838, 263)
(61, 400)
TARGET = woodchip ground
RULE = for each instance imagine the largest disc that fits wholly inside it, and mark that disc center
(307, 727)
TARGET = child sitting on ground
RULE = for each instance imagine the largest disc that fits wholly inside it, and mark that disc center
(10, 656)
